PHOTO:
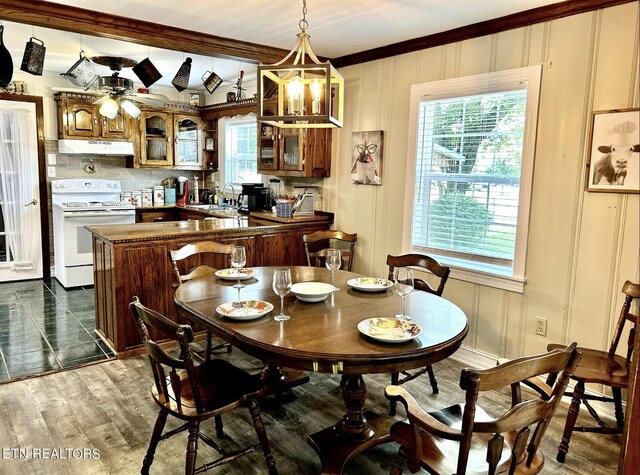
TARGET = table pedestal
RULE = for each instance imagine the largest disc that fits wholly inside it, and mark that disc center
(355, 431)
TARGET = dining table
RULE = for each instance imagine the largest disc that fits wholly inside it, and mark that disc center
(324, 337)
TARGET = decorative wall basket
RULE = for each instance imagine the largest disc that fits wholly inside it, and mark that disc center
(33, 59)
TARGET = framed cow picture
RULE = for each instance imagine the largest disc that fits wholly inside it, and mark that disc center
(614, 155)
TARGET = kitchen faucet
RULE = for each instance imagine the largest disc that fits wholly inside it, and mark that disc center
(233, 192)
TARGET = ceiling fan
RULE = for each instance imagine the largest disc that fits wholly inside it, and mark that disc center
(119, 91)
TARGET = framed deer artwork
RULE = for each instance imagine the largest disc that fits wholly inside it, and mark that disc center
(614, 155)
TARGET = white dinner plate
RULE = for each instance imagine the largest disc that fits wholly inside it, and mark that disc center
(233, 274)
(244, 309)
(389, 329)
(370, 284)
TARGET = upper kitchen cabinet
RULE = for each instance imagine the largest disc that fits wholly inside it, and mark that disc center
(78, 118)
(294, 152)
(188, 131)
(156, 139)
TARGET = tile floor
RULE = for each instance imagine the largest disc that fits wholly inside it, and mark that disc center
(44, 327)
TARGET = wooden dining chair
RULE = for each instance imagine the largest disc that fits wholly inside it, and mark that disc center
(196, 393)
(465, 438)
(316, 257)
(602, 367)
(442, 272)
(198, 259)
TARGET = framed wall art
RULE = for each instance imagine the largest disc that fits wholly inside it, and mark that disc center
(366, 159)
(614, 154)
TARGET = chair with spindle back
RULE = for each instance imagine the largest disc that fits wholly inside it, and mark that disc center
(442, 272)
(464, 438)
(602, 367)
(196, 393)
(200, 252)
(316, 259)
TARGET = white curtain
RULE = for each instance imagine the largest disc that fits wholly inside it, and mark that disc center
(16, 185)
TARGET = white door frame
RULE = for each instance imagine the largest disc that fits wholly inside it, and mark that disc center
(43, 199)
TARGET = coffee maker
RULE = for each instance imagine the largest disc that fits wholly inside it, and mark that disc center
(182, 191)
(254, 197)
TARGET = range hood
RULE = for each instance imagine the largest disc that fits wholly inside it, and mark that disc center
(95, 147)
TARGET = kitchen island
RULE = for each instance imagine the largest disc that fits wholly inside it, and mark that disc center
(133, 260)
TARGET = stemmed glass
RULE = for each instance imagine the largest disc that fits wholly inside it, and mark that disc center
(333, 261)
(238, 261)
(281, 286)
(403, 285)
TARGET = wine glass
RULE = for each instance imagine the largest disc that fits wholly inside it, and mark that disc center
(281, 286)
(238, 261)
(403, 285)
(333, 261)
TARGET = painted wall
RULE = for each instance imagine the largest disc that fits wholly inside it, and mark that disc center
(582, 246)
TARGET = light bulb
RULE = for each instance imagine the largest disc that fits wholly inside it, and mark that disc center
(109, 109)
(130, 108)
(316, 92)
(295, 90)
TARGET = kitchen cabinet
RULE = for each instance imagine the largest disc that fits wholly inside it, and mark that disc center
(188, 131)
(154, 215)
(79, 118)
(294, 152)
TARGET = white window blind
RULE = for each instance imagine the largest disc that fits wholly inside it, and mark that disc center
(240, 153)
(468, 164)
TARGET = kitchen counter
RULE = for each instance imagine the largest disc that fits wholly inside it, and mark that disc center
(133, 260)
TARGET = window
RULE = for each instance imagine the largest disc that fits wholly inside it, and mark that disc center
(240, 146)
(471, 150)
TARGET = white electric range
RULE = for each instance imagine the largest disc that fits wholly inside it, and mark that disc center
(78, 203)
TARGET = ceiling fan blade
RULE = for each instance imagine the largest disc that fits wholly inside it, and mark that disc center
(155, 100)
(101, 100)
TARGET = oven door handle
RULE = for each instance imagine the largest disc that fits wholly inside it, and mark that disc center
(94, 214)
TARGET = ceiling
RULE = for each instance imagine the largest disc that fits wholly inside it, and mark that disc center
(337, 28)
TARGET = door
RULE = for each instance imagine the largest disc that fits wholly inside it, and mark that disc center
(156, 142)
(116, 128)
(21, 243)
(82, 120)
(188, 137)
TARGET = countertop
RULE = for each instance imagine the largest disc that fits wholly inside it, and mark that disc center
(177, 229)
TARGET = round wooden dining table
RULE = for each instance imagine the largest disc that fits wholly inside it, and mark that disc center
(323, 337)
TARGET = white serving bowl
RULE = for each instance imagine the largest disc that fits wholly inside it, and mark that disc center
(312, 291)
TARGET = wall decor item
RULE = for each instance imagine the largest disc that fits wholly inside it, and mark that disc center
(366, 158)
(614, 157)
(211, 81)
(209, 144)
(82, 73)
(33, 58)
(194, 99)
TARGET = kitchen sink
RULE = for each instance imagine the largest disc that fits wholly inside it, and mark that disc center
(211, 207)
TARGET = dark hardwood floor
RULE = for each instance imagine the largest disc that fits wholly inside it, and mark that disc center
(108, 406)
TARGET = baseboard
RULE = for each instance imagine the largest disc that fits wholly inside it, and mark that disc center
(481, 360)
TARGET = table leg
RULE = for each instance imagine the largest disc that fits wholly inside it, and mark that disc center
(355, 431)
(280, 379)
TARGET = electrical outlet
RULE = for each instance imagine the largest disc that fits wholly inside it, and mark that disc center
(541, 326)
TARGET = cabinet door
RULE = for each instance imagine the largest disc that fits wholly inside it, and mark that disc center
(188, 142)
(82, 120)
(156, 140)
(117, 128)
(290, 149)
(267, 148)
(249, 243)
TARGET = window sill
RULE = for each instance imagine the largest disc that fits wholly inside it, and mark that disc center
(482, 274)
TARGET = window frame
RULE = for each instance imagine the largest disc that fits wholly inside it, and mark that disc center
(222, 146)
(512, 279)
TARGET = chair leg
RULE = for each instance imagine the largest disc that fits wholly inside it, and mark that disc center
(617, 399)
(399, 462)
(395, 377)
(432, 380)
(219, 427)
(192, 447)
(258, 425)
(155, 438)
(572, 417)
(207, 355)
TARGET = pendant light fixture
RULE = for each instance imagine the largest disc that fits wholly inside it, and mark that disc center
(309, 94)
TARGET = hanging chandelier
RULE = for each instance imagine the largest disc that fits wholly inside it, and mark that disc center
(307, 94)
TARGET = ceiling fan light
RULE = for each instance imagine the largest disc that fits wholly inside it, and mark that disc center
(130, 108)
(109, 109)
